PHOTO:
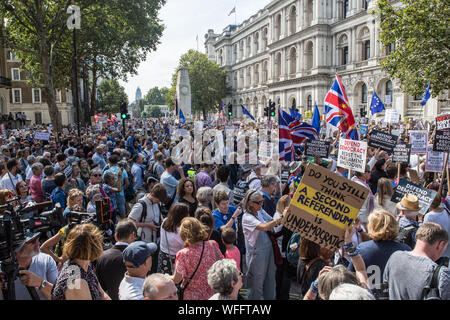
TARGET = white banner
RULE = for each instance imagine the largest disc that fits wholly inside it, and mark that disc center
(419, 141)
(391, 116)
(42, 136)
(435, 160)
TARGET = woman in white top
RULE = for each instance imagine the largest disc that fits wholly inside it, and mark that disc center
(383, 197)
(259, 251)
(171, 241)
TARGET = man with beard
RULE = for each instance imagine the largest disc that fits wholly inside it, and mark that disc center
(40, 269)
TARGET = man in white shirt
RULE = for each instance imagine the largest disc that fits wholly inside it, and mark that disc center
(11, 177)
(253, 179)
(138, 261)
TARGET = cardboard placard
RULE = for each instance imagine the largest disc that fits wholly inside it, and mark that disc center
(352, 154)
(317, 148)
(419, 141)
(443, 122)
(323, 205)
(42, 136)
(435, 160)
(382, 140)
(402, 153)
(426, 196)
(442, 141)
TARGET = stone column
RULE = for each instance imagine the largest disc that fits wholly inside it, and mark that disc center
(183, 89)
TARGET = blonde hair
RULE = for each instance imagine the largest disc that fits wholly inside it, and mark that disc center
(84, 242)
(192, 231)
(382, 225)
(384, 188)
(283, 203)
(73, 193)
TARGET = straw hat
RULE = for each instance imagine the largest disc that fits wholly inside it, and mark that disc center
(409, 202)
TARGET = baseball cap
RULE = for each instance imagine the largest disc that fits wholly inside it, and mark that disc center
(138, 252)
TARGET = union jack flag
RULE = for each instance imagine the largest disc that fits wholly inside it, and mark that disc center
(291, 134)
(338, 112)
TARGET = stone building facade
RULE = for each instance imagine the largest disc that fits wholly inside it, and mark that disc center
(290, 51)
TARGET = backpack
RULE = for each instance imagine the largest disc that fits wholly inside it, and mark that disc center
(144, 216)
(53, 196)
(292, 255)
(431, 291)
(239, 191)
(405, 236)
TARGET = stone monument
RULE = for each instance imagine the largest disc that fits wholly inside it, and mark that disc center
(184, 93)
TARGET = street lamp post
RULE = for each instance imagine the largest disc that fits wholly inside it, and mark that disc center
(74, 23)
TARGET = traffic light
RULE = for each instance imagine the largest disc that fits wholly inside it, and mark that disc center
(230, 110)
(266, 111)
(272, 110)
(123, 111)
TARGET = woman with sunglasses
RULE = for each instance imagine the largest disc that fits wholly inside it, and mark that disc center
(259, 250)
(23, 192)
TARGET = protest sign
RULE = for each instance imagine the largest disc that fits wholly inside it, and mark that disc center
(65, 131)
(352, 154)
(402, 153)
(442, 141)
(395, 132)
(42, 136)
(382, 140)
(419, 141)
(323, 205)
(443, 122)
(426, 196)
(391, 116)
(265, 151)
(317, 148)
(363, 129)
(435, 160)
(284, 176)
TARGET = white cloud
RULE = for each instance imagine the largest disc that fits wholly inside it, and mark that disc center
(184, 20)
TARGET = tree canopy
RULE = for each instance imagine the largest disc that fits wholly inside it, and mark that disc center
(419, 32)
(111, 95)
(156, 96)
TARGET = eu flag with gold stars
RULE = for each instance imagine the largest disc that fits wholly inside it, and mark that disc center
(376, 105)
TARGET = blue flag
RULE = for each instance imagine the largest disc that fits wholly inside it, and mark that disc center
(376, 104)
(245, 111)
(426, 95)
(166, 129)
(295, 114)
(316, 119)
(182, 118)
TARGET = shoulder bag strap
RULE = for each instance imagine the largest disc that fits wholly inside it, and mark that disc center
(308, 266)
(12, 184)
(198, 265)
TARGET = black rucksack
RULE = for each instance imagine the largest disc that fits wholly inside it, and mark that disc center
(405, 236)
(431, 291)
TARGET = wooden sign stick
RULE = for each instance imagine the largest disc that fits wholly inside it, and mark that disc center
(441, 185)
(398, 172)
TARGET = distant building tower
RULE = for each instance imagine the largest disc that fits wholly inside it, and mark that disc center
(138, 94)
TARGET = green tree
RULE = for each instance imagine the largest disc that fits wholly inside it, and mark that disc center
(155, 96)
(111, 95)
(208, 82)
(154, 111)
(419, 33)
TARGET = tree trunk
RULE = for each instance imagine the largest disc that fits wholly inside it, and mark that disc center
(86, 117)
(94, 90)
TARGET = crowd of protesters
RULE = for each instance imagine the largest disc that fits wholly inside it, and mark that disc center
(198, 231)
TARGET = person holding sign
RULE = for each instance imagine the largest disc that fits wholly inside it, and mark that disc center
(259, 250)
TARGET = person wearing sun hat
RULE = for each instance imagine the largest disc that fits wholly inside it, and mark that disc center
(408, 209)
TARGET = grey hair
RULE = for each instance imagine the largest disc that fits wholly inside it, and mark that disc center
(46, 154)
(109, 176)
(348, 291)
(221, 275)
(31, 159)
(36, 166)
(149, 289)
(268, 180)
(203, 192)
(96, 170)
(251, 195)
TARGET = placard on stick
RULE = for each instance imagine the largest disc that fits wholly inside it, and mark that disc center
(425, 196)
(352, 154)
(443, 122)
(317, 148)
(435, 160)
(382, 140)
(402, 153)
(442, 141)
(323, 205)
(419, 141)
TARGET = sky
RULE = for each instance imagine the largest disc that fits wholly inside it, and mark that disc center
(184, 20)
